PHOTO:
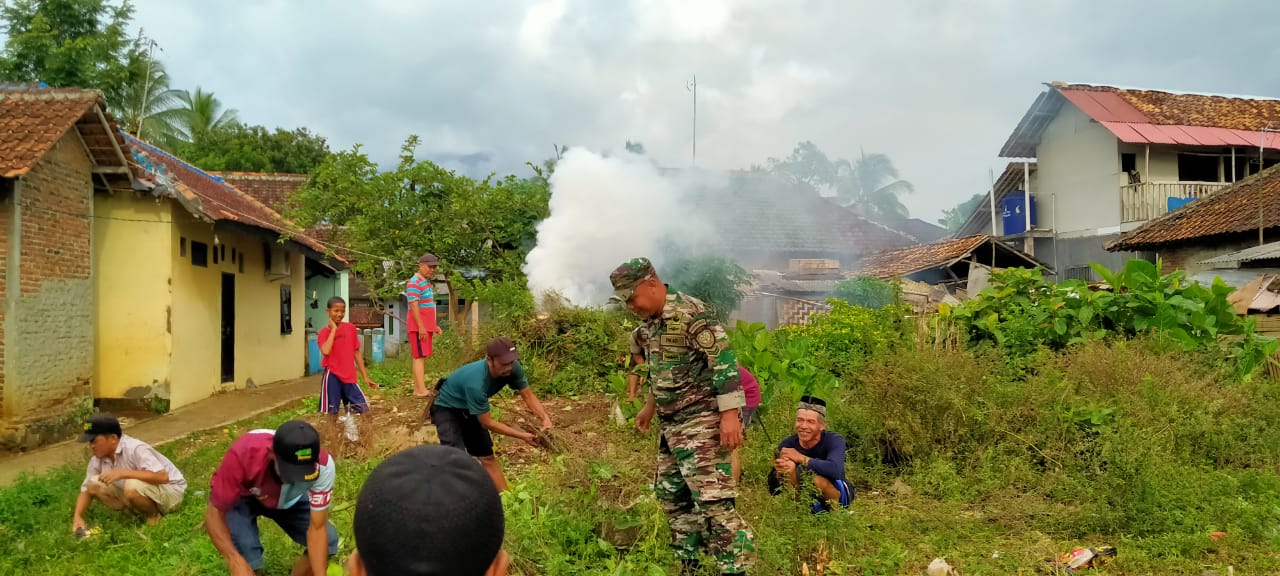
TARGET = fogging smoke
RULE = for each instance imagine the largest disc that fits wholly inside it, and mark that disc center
(606, 210)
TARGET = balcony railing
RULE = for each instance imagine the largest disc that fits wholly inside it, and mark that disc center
(1147, 200)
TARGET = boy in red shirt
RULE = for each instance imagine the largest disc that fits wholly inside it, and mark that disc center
(340, 345)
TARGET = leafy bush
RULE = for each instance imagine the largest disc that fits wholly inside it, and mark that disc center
(1021, 312)
(846, 336)
(716, 280)
(781, 362)
(867, 292)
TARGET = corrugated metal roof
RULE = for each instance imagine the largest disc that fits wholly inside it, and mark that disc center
(1269, 251)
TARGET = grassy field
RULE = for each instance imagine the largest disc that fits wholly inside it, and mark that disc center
(1126, 444)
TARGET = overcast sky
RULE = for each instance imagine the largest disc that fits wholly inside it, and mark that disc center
(937, 85)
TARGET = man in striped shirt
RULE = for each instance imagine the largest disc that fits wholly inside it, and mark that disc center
(421, 320)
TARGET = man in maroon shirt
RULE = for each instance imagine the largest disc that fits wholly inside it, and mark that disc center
(282, 475)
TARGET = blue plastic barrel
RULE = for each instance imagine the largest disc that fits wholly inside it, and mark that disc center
(377, 345)
(313, 353)
(1015, 217)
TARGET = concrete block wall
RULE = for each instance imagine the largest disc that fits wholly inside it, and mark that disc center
(49, 329)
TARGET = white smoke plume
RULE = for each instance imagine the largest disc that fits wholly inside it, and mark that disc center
(606, 210)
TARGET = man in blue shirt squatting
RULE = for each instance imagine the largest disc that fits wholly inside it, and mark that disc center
(695, 389)
(813, 455)
(460, 410)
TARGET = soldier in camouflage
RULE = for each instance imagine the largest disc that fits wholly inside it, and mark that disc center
(695, 391)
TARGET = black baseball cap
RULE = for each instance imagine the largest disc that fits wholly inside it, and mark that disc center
(99, 424)
(297, 449)
(428, 511)
(502, 350)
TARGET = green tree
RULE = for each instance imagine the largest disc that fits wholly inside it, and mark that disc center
(204, 114)
(255, 149)
(869, 186)
(867, 292)
(714, 279)
(485, 226)
(151, 110)
(953, 218)
(71, 43)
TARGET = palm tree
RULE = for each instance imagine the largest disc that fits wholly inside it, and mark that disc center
(870, 187)
(151, 110)
(204, 114)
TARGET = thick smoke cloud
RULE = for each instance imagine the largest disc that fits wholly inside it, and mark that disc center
(606, 210)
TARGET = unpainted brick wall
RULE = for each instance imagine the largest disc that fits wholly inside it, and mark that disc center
(6, 213)
(49, 335)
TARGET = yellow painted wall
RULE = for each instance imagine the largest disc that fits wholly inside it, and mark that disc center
(262, 353)
(132, 266)
(196, 321)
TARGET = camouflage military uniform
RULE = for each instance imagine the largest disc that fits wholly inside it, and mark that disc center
(693, 375)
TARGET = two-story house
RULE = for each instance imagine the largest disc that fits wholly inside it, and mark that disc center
(1093, 162)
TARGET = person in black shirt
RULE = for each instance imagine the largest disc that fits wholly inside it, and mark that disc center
(813, 454)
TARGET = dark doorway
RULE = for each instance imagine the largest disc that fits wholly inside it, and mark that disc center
(228, 327)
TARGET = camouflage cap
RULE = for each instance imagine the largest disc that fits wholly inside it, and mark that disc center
(630, 274)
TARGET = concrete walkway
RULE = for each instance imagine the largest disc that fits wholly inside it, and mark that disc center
(213, 412)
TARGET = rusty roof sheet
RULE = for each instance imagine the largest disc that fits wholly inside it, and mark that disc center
(1232, 210)
(210, 197)
(32, 120)
(907, 261)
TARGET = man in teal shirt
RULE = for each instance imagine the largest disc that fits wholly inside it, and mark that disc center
(460, 411)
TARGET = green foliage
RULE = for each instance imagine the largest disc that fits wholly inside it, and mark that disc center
(1021, 312)
(72, 43)
(1142, 438)
(782, 363)
(867, 292)
(477, 226)
(570, 351)
(869, 185)
(256, 149)
(716, 280)
(843, 339)
(953, 218)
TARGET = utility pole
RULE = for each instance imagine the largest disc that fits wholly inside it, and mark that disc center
(693, 87)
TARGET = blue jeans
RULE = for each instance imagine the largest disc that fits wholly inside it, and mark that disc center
(242, 520)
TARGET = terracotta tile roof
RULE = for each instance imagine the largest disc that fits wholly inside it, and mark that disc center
(32, 120)
(769, 215)
(209, 197)
(921, 230)
(916, 258)
(1185, 109)
(274, 190)
(1232, 210)
(1139, 116)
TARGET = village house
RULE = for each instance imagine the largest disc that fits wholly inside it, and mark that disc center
(961, 267)
(1219, 232)
(324, 279)
(196, 293)
(364, 310)
(57, 148)
(1093, 162)
(796, 243)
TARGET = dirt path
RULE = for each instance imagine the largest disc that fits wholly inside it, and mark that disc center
(218, 410)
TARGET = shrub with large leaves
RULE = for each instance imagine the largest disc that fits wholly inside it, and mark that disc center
(1021, 312)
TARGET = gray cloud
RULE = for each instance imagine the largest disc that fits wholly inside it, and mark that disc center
(938, 85)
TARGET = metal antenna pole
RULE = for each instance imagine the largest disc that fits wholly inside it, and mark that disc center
(146, 87)
(693, 87)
